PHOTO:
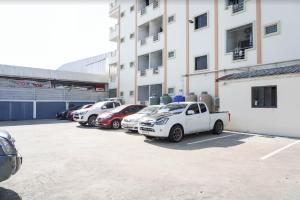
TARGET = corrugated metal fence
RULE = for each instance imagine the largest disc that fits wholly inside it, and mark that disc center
(32, 103)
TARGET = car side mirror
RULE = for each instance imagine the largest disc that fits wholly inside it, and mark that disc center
(190, 112)
(104, 107)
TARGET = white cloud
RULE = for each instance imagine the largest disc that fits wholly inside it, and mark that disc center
(47, 35)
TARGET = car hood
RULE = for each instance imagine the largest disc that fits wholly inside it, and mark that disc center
(6, 135)
(157, 116)
(106, 114)
(135, 117)
(81, 110)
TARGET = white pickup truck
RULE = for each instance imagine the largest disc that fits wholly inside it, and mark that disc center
(178, 119)
(89, 115)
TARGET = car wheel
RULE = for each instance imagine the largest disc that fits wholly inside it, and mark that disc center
(92, 120)
(116, 124)
(218, 128)
(176, 134)
(82, 123)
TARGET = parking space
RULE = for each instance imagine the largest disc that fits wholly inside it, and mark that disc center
(65, 161)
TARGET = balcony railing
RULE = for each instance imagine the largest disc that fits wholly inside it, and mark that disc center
(239, 53)
(237, 7)
(155, 70)
(154, 4)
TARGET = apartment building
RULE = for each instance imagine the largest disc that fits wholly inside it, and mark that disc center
(244, 53)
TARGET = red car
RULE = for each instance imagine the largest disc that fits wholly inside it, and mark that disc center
(112, 119)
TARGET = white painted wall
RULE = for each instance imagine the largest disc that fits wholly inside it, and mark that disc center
(285, 45)
(235, 96)
(176, 42)
(127, 50)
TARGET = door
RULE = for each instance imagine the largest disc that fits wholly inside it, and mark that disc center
(13, 111)
(192, 118)
(204, 119)
(48, 110)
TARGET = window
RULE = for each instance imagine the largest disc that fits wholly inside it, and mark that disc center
(131, 64)
(131, 93)
(131, 8)
(122, 40)
(121, 66)
(194, 107)
(122, 14)
(131, 36)
(201, 62)
(264, 97)
(271, 29)
(116, 104)
(121, 94)
(202, 108)
(171, 54)
(109, 105)
(171, 90)
(201, 21)
(171, 19)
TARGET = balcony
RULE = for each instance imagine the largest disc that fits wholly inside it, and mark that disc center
(237, 5)
(151, 36)
(148, 10)
(238, 40)
(150, 67)
(114, 33)
(114, 9)
(113, 58)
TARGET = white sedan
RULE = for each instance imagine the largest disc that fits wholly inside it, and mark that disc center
(131, 122)
(178, 119)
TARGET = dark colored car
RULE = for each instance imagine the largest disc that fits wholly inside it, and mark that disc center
(10, 159)
(64, 114)
(113, 118)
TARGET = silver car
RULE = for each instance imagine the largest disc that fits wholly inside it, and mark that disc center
(130, 122)
(10, 159)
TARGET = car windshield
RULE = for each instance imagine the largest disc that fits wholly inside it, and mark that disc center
(174, 108)
(98, 105)
(118, 109)
(149, 110)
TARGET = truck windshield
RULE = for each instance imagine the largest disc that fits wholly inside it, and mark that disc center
(174, 108)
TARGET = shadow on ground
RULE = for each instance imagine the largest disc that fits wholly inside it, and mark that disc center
(193, 142)
(6, 194)
(33, 122)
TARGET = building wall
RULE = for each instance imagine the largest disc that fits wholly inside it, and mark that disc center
(284, 120)
(127, 50)
(188, 43)
(92, 65)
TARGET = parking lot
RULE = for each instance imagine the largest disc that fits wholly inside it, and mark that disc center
(65, 161)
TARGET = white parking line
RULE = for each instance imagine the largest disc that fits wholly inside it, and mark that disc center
(279, 150)
(210, 139)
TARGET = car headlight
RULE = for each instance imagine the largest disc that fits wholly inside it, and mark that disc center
(161, 121)
(7, 147)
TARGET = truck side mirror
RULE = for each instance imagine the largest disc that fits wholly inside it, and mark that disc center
(190, 112)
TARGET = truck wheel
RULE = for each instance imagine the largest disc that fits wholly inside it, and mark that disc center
(116, 124)
(82, 123)
(92, 120)
(218, 128)
(176, 133)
